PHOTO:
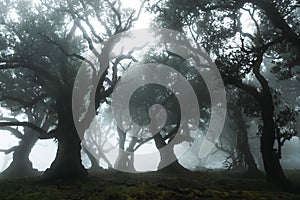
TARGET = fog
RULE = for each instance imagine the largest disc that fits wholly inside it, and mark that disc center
(43, 153)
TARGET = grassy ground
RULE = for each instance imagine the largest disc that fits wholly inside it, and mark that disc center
(115, 185)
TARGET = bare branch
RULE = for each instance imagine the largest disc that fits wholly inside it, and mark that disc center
(117, 13)
(27, 124)
(14, 131)
(49, 40)
(88, 39)
(114, 81)
(7, 151)
(87, 21)
(251, 14)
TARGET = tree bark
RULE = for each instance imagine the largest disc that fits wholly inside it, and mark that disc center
(273, 169)
(252, 169)
(67, 163)
(272, 166)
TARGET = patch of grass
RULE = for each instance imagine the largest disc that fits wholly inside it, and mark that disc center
(112, 185)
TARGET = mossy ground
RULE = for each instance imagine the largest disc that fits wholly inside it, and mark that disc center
(113, 185)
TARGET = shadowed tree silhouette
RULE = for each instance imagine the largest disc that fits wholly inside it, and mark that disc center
(41, 47)
(240, 53)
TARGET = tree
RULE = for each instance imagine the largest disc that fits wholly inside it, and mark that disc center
(236, 114)
(41, 52)
(218, 28)
(175, 131)
(234, 138)
(21, 166)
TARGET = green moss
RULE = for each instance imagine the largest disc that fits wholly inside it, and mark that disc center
(145, 186)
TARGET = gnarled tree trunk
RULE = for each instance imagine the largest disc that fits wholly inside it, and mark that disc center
(21, 166)
(125, 160)
(242, 142)
(67, 163)
(167, 155)
(272, 166)
(273, 169)
(270, 157)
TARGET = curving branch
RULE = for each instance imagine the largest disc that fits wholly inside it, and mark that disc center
(117, 13)
(51, 41)
(8, 151)
(27, 124)
(25, 62)
(43, 134)
(251, 14)
(88, 39)
(106, 93)
(14, 131)
(277, 20)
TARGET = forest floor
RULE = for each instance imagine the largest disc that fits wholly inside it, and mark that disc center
(112, 185)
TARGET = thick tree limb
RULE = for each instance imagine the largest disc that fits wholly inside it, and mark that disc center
(43, 134)
(52, 134)
(27, 124)
(256, 66)
(273, 42)
(24, 62)
(277, 20)
(51, 41)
